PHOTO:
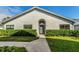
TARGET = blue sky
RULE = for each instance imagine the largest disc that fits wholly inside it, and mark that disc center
(67, 11)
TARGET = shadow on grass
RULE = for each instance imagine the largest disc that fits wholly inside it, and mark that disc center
(57, 45)
(18, 39)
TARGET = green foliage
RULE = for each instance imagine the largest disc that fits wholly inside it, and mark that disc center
(23, 33)
(63, 44)
(7, 32)
(62, 32)
(18, 35)
(12, 49)
(20, 49)
(31, 31)
(27, 32)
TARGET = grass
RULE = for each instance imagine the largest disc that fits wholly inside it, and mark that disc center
(63, 43)
(18, 39)
(12, 49)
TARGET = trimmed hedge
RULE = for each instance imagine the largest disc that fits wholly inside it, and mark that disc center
(27, 32)
(62, 32)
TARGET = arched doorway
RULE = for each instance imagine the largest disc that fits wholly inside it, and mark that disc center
(42, 26)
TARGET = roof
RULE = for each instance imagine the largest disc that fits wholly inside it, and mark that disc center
(76, 21)
(0, 22)
(39, 9)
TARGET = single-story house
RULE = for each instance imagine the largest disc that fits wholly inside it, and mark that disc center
(38, 19)
(1, 25)
(76, 25)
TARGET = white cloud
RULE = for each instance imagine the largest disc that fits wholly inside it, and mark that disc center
(14, 10)
(8, 11)
(3, 16)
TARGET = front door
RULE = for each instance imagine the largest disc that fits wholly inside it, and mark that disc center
(41, 29)
(42, 24)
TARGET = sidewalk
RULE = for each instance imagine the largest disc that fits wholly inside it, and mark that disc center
(39, 45)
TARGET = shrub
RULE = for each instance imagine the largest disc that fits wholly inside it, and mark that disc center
(23, 33)
(27, 32)
(62, 32)
(7, 32)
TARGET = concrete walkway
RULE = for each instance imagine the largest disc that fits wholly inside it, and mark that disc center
(18, 44)
(39, 45)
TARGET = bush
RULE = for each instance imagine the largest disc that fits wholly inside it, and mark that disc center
(7, 32)
(62, 32)
(23, 33)
(27, 32)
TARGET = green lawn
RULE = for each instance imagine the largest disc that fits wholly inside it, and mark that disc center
(12, 49)
(63, 43)
(18, 39)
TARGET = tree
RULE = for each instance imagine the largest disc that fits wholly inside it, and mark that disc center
(6, 18)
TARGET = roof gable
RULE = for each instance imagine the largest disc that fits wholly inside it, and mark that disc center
(39, 9)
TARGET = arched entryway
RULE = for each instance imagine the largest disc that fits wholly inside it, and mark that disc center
(42, 26)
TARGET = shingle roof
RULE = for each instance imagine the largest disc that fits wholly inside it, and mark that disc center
(40, 9)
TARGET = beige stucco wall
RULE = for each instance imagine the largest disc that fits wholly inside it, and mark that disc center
(34, 17)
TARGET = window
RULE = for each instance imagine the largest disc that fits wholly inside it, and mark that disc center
(76, 27)
(27, 26)
(9, 26)
(64, 26)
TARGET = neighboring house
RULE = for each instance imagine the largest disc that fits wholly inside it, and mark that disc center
(39, 19)
(76, 25)
(1, 25)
